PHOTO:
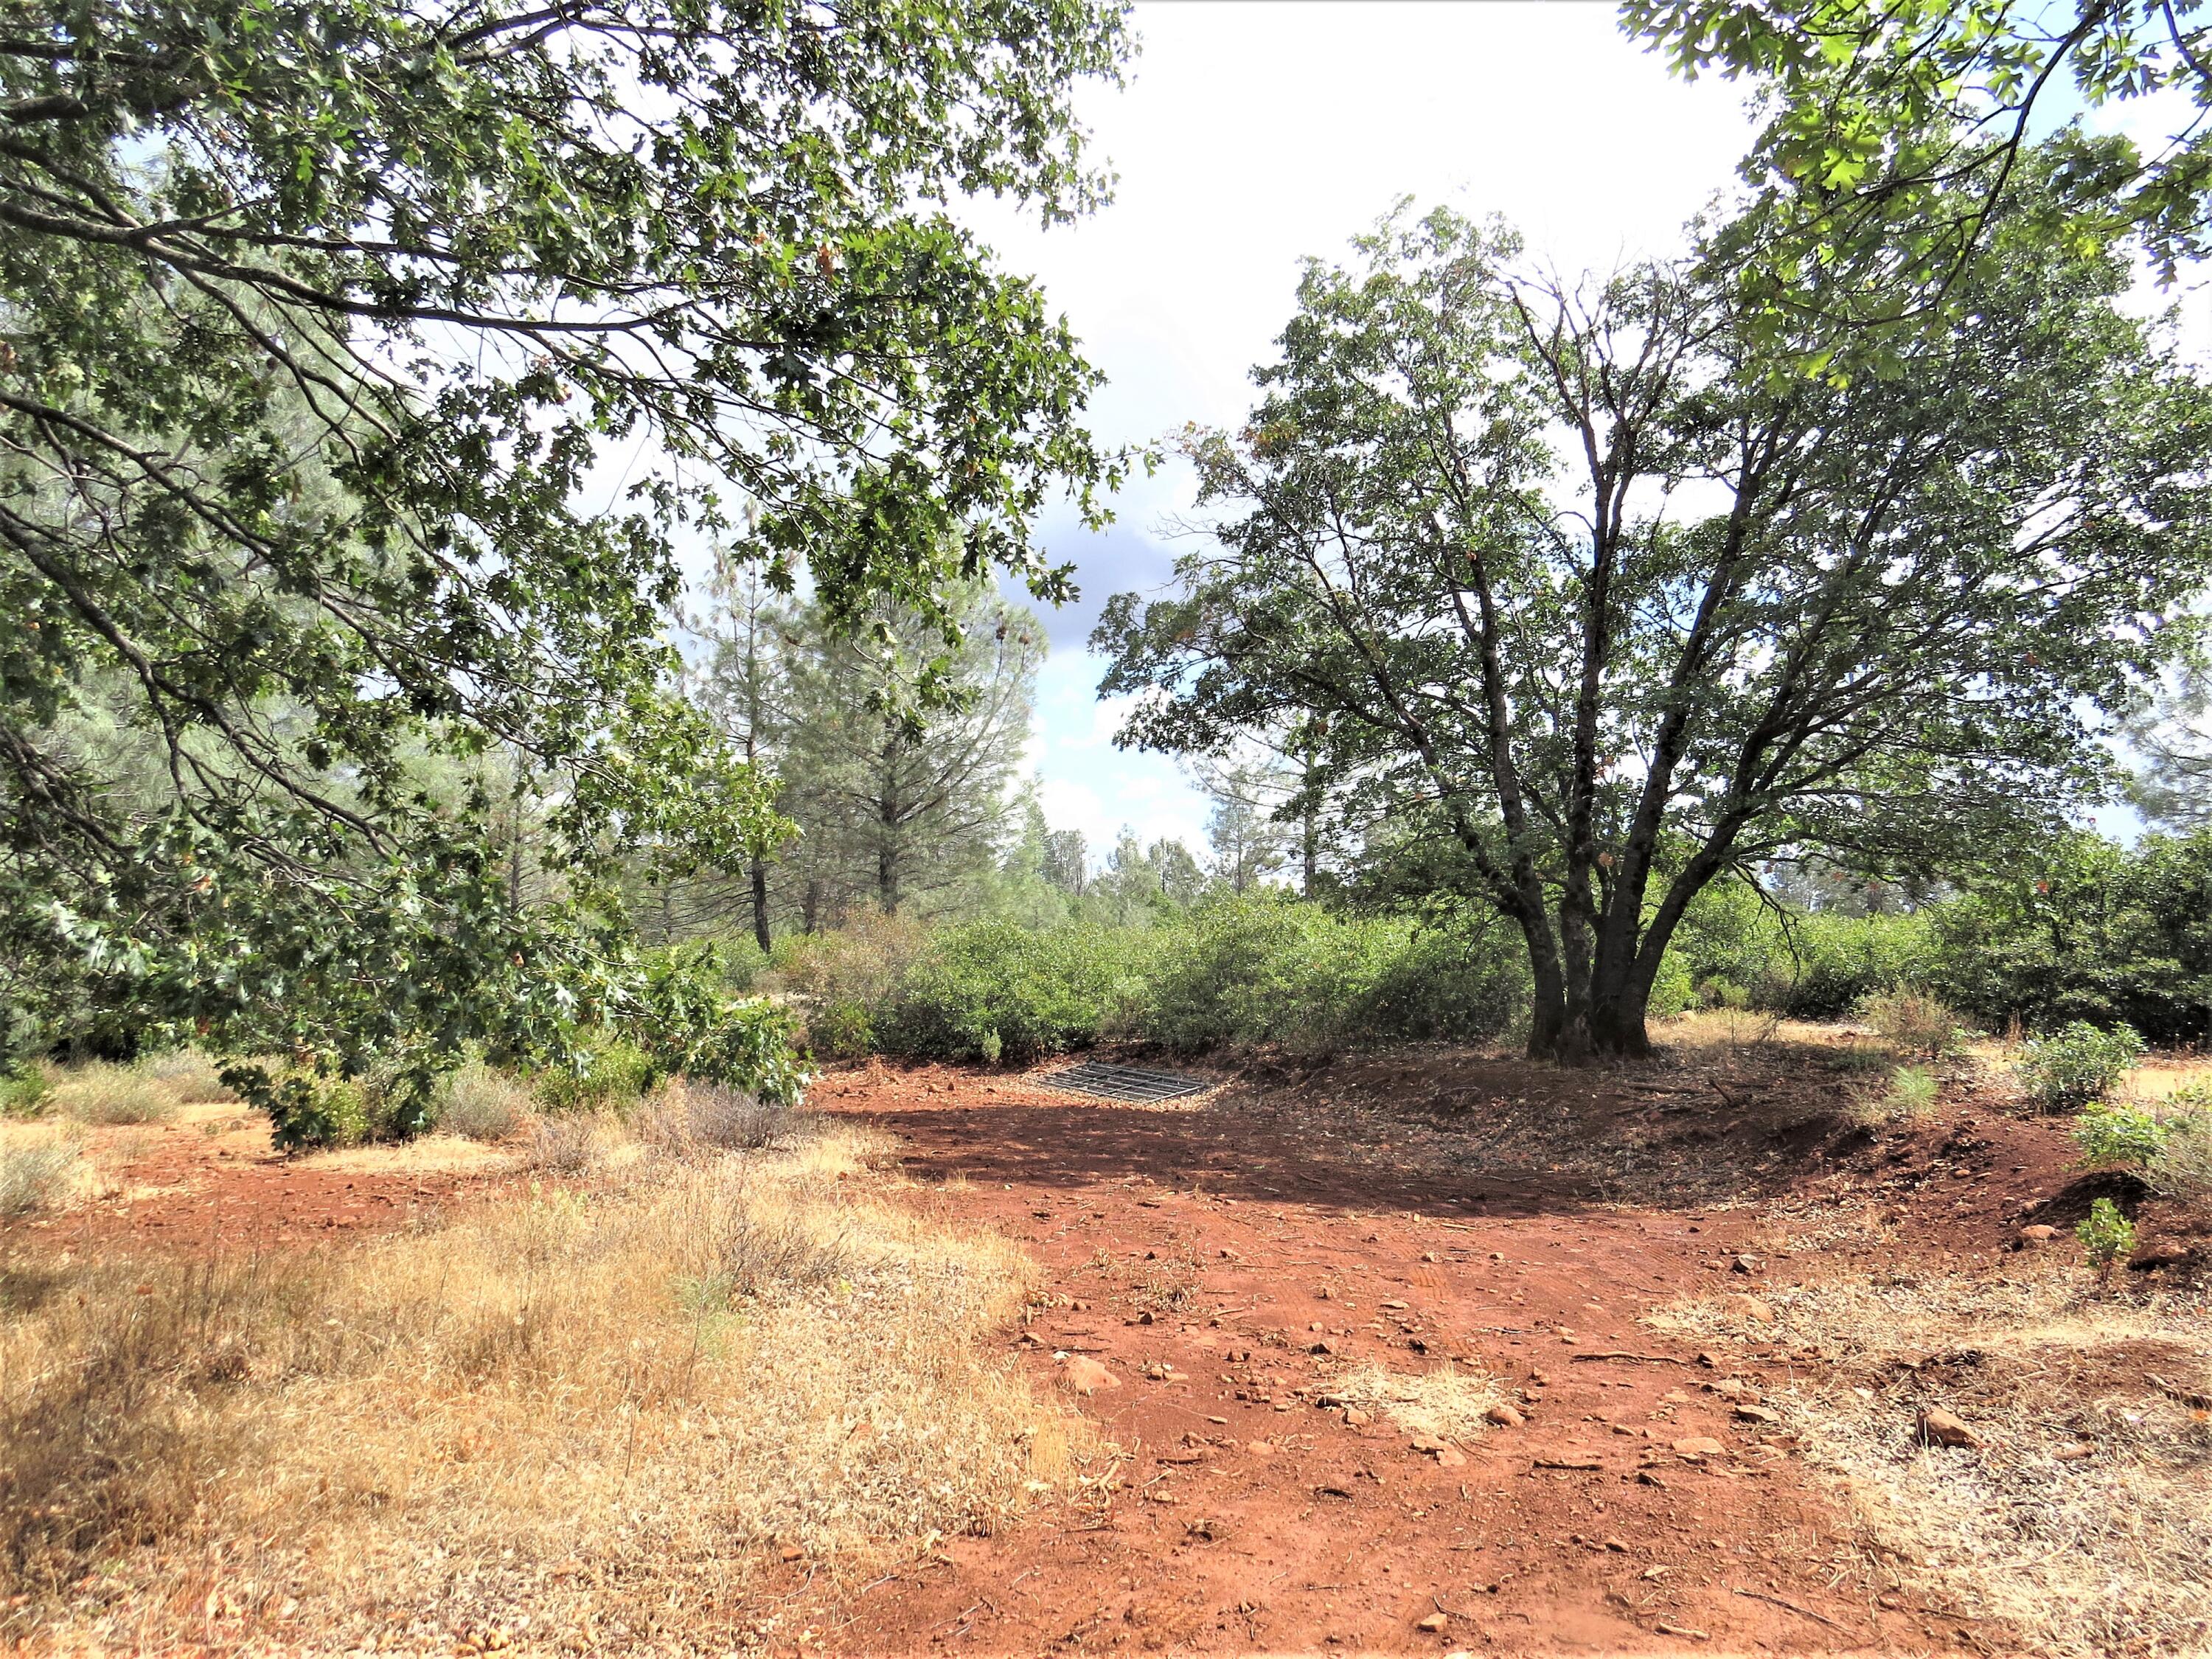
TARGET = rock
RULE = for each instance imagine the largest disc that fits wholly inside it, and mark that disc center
(1755, 1414)
(2034, 1238)
(1086, 1376)
(1934, 1426)
(1451, 1457)
(791, 1553)
(1426, 1443)
(1261, 1449)
(1434, 1622)
(1618, 1545)
(1746, 1263)
(2072, 1454)
(1322, 1347)
(1356, 1418)
(1505, 1416)
(1711, 1362)
(1212, 1532)
(1753, 1308)
(1699, 1445)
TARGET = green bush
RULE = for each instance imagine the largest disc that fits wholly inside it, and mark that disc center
(2091, 932)
(1031, 993)
(841, 1030)
(2106, 1235)
(2125, 1137)
(602, 1072)
(1266, 968)
(1815, 965)
(24, 1093)
(2076, 1065)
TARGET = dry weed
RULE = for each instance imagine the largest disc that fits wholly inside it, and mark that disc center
(36, 1178)
(2085, 1519)
(1444, 1401)
(101, 1092)
(577, 1416)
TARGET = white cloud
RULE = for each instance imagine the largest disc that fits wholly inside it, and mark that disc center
(1254, 135)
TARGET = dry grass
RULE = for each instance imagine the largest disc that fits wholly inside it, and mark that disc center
(1444, 1401)
(2105, 1553)
(577, 1418)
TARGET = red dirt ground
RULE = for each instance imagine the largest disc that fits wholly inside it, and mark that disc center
(1225, 1260)
(1254, 1519)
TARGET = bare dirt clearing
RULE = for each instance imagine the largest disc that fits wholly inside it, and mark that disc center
(1229, 1263)
(1415, 1353)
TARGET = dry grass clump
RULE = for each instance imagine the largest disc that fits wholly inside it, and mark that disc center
(2084, 1518)
(37, 1177)
(481, 1102)
(686, 1120)
(576, 1418)
(1911, 1095)
(1444, 1401)
(101, 1092)
(564, 1146)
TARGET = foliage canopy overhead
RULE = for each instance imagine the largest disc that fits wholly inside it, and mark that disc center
(361, 364)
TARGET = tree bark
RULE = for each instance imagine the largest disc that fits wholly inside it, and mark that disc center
(759, 905)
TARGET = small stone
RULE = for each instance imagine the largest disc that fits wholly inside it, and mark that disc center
(1746, 1263)
(1934, 1426)
(791, 1553)
(2034, 1238)
(1429, 1255)
(1753, 1308)
(2072, 1454)
(1322, 1347)
(1356, 1418)
(1755, 1414)
(2167, 1253)
(1426, 1443)
(1505, 1416)
(1618, 1545)
(1699, 1445)
(1451, 1457)
(1086, 1376)
(1261, 1449)
(1434, 1622)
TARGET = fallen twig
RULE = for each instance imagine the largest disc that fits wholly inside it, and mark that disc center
(1803, 1613)
(1648, 1358)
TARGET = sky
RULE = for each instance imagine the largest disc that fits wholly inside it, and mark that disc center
(1252, 135)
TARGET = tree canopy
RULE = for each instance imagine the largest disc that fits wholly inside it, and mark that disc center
(363, 367)
(1902, 140)
(1566, 576)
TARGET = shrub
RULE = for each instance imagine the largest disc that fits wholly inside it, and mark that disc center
(1460, 983)
(1036, 994)
(2077, 1064)
(2124, 1136)
(33, 1177)
(1264, 968)
(100, 1091)
(1913, 1022)
(481, 1102)
(2091, 931)
(2183, 1167)
(861, 964)
(1913, 1092)
(840, 1031)
(602, 1072)
(2106, 1235)
(24, 1093)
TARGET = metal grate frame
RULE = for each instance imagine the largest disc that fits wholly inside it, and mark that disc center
(1123, 1082)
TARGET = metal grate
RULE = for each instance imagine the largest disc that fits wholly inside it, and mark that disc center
(1123, 1083)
